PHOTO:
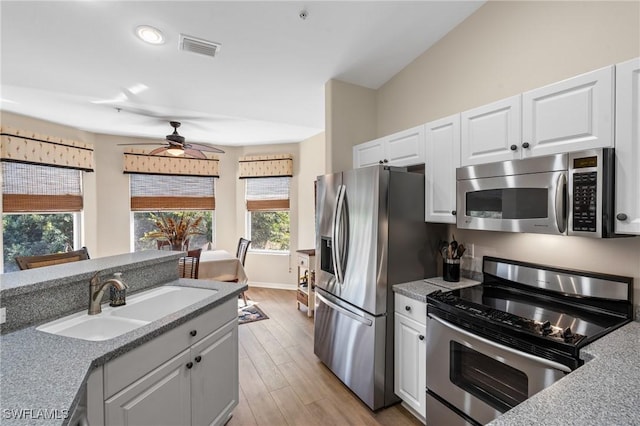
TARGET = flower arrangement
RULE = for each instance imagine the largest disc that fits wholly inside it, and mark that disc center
(176, 228)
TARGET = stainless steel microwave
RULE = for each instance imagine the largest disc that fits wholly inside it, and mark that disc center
(562, 194)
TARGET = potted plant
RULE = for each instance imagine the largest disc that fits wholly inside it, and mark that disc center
(176, 228)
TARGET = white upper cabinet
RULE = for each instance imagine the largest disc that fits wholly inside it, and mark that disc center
(369, 153)
(442, 157)
(405, 148)
(491, 132)
(628, 147)
(571, 115)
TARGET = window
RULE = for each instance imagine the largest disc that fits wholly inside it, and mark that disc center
(171, 196)
(41, 210)
(268, 213)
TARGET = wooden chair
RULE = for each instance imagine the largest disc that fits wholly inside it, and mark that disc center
(190, 264)
(241, 253)
(31, 262)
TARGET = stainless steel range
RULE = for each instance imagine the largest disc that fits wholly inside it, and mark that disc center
(492, 346)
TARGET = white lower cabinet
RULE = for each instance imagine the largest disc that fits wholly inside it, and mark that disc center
(410, 330)
(186, 376)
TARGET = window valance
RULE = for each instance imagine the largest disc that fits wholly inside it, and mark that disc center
(137, 161)
(259, 166)
(21, 146)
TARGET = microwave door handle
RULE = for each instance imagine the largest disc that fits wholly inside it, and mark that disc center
(560, 203)
(545, 362)
(339, 232)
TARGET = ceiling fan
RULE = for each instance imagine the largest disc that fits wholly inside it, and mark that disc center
(177, 145)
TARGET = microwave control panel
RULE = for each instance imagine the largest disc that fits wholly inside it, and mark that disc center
(585, 197)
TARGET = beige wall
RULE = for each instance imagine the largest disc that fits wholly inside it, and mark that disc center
(107, 215)
(349, 120)
(503, 49)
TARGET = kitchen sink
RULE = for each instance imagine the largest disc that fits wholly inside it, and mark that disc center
(141, 309)
(160, 302)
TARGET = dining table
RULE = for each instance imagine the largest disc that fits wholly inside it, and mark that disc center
(220, 265)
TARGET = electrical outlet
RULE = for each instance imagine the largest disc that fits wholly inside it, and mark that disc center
(3, 315)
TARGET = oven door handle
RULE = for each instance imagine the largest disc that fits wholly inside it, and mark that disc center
(545, 362)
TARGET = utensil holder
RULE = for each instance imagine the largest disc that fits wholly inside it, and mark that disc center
(451, 270)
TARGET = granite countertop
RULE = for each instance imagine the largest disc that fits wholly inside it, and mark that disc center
(418, 290)
(604, 391)
(41, 371)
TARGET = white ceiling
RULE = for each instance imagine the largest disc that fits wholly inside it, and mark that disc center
(266, 85)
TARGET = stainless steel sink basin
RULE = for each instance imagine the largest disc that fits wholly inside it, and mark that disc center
(141, 309)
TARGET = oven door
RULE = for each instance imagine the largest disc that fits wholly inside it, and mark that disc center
(534, 202)
(479, 377)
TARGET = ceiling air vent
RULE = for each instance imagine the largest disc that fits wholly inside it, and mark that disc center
(198, 45)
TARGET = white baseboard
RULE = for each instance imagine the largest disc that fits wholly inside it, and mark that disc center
(278, 286)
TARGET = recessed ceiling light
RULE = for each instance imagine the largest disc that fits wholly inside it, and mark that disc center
(150, 34)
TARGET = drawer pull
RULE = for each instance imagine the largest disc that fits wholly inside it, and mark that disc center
(193, 332)
(198, 358)
(407, 308)
(421, 337)
(189, 365)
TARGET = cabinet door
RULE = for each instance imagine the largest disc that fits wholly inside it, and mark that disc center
(441, 160)
(410, 362)
(161, 397)
(570, 115)
(369, 153)
(405, 148)
(491, 132)
(628, 147)
(214, 377)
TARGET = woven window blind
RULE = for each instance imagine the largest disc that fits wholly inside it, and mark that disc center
(163, 192)
(267, 194)
(42, 189)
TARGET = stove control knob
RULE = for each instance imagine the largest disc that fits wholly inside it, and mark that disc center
(546, 328)
(567, 334)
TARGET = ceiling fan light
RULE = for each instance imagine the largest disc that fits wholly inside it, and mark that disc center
(175, 151)
(150, 34)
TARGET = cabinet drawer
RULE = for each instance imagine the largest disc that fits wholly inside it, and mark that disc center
(123, 370)
(411, 308)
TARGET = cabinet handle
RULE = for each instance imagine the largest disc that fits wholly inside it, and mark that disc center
(421, 337)
(198, 358)
(453, 212)
(193, 332)
(621, 216)
(386, 161)
(513, 147)
(525, 145)
(380, 162)
(189, 365)
(407, 308)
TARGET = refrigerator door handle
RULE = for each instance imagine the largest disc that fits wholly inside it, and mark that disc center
(338, 232)
(344, 311)
(334, 234)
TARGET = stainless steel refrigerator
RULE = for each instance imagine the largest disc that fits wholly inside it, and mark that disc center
(370, 235)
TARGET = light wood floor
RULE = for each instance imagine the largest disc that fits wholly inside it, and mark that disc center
(283, 383)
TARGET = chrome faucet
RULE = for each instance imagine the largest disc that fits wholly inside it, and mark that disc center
(96, 290)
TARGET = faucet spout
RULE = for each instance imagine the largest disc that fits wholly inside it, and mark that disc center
(96, 291)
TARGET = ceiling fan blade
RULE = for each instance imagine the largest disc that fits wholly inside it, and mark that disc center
(141, 143)
(207, 148)
(158, 150)
(194, 153)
